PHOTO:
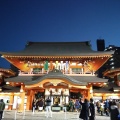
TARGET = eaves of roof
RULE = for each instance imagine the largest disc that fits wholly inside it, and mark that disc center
(78, 80)
(7, 72)
(63, 53)
(101, 91)
(90, 79)
(107, 89)
(111, 72)
(30, 80)
(7, 88)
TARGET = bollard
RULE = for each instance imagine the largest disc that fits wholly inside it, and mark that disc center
(15, 115)
(24, 113)
(33, 110)
(3, 114)
(77, 115)
(65, 114)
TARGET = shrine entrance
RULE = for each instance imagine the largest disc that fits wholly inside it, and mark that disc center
(59, 96)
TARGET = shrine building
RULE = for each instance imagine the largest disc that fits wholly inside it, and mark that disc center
(63, 70)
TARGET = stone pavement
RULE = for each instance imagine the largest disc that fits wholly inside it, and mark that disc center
(28, 115)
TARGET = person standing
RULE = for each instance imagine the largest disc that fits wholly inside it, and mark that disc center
(71, 105)
(98, 106)
(106, 107)
(2, 107)
(114, 111)
(40, 104)
(77, 105)
(48, 107)
(85, 110)
(118, 105)
(64, 106)
(110, 103)
(91, 110)
(102, 107)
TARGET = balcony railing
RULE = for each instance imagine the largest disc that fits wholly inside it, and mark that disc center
(70, 72)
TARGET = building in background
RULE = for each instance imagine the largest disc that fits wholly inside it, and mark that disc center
(111, 71)
(100, 44)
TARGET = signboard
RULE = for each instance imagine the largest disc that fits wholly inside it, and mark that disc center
(56, 108)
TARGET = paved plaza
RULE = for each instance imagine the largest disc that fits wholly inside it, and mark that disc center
(28, 115)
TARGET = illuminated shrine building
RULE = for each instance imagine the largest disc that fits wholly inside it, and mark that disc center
(63, 70)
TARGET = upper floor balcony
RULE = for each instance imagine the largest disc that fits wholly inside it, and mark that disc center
(70, 72)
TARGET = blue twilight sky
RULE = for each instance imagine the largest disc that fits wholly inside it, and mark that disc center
(57, 20)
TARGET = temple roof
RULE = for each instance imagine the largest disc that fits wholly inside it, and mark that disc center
(58, 49)
(110, 88)
(8, 88)
(56, 74)
(7, 72)
(30, 80)
(112, 73)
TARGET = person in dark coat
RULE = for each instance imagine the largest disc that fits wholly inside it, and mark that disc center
(84, 114)
(114, 111)
(110, 103)
(2, 107)
(40, 104)
(48, 107)
(106, 107)
(91, 110)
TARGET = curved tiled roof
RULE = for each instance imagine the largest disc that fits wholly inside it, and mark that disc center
(8, 88)
(78, 80)
(58, 49)
(7, 72)
(30, 80)
(112, 73)
(107, 89)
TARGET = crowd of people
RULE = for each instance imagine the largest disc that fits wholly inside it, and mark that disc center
(38, 104)
(41, 104)
(87, 109)
(109, 108)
